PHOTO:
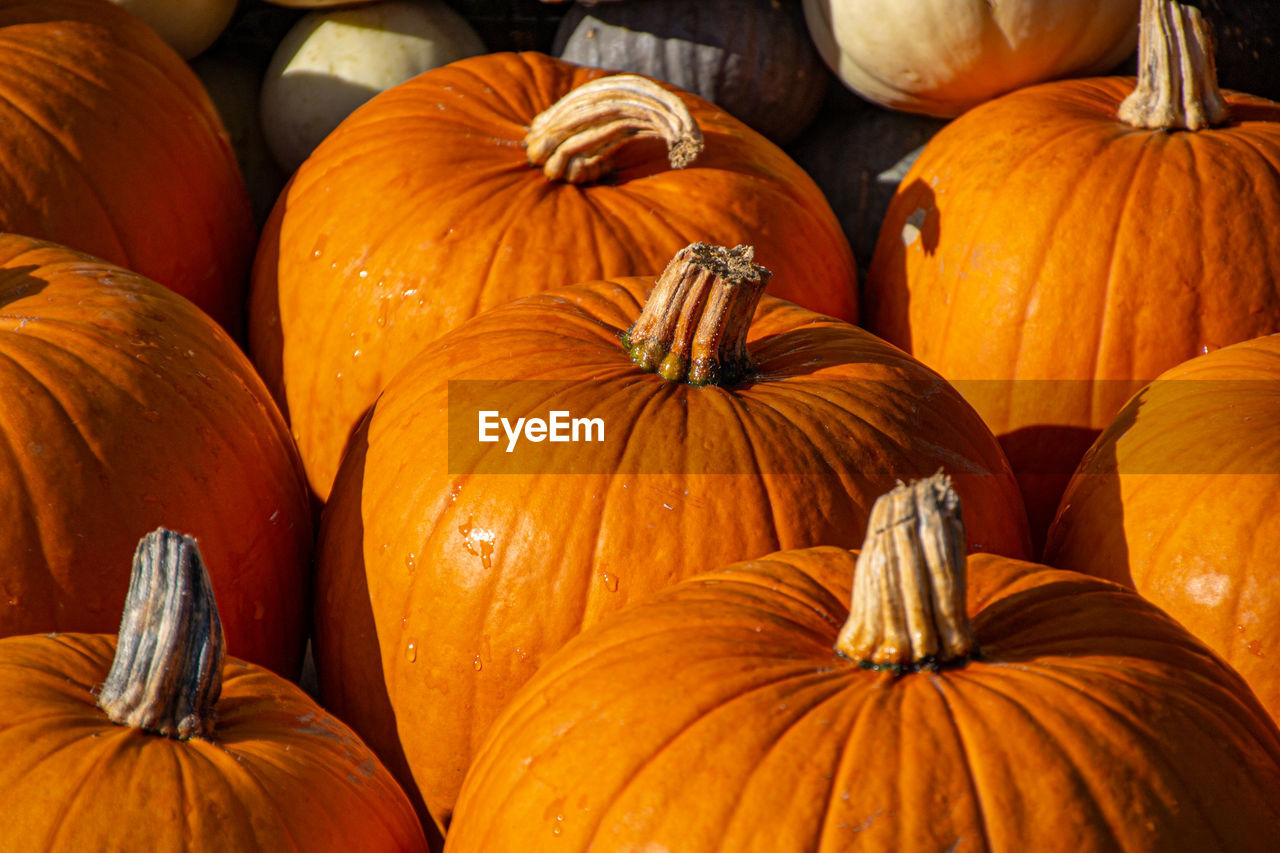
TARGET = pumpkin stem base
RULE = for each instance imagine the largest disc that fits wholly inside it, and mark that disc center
(1177, 78)
(693, 328)
(166, 675)
(908, 608)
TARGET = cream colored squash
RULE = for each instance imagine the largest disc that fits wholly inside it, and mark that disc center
(188, 26)
(941, 57)
(331, 62)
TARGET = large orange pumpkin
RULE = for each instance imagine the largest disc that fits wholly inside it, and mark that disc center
(156, 740)
(126, 408)
(449, 568)
(109, 145)
(1177, 499)
(462, 189)
(1050, 257)
(762, 707)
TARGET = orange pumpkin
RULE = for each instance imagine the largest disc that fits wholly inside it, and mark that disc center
(158, 741)
(111, 146)
(127, 408)
(751, 709)
(1049, 256)
(462, 189)
(449, 568)
(1177, 499)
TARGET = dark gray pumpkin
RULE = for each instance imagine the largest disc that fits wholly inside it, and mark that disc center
(857, 153)
(753, 58)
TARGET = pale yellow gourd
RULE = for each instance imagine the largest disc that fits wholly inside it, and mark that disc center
(940, 57)
(332, 61)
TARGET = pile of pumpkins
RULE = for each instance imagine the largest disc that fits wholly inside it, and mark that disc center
(926, 366)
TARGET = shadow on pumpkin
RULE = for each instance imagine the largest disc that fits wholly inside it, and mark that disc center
(18, 283)
(913, 217)
(1097, 480)
(348, 663)
(1043, 459)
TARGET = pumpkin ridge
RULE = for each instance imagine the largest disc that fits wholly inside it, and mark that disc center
(1114, 257)
(80, 792)
(973, 237)
(1120, 714)
(1049, 739)
(72, 164)
(966, 751)
(822, 683)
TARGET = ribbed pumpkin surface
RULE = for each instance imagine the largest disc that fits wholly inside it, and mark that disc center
(280, 773)
(421, 210)
(126, 408)
(110, 145)
(717, 716)
(1177, 499)
(1050, 259)
(441, 590)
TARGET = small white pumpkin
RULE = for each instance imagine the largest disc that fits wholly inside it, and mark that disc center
(331, 62)
(188, 26)
(941, 57)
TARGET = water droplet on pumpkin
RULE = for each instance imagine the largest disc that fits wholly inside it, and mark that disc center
(477, 664)
(1255, 648)
(364, 273)
(411, 653)
(610, 581)
(478, 542)
(411, 562)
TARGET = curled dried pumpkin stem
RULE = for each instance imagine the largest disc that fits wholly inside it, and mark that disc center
(908, 606)
(693, 328)
(167, 672)
(574, 138)
(1177, 78)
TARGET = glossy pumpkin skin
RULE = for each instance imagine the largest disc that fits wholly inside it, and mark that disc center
(279, 774)
(126, 409)
(439, 590)
(112, 147)
(421, 210)
(942, 57)
(1049, 260)
(754, 59)
(716, 716)
(1177, 499)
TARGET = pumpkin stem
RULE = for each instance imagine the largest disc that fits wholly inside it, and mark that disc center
(908, 606)
(1177, 79)
(572, 139)
(693, 328)
(167, 672)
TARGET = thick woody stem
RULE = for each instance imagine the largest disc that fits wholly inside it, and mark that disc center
(167, 672)
(1177, 79)
(574, 138)
(908, 606)
(693, 328)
